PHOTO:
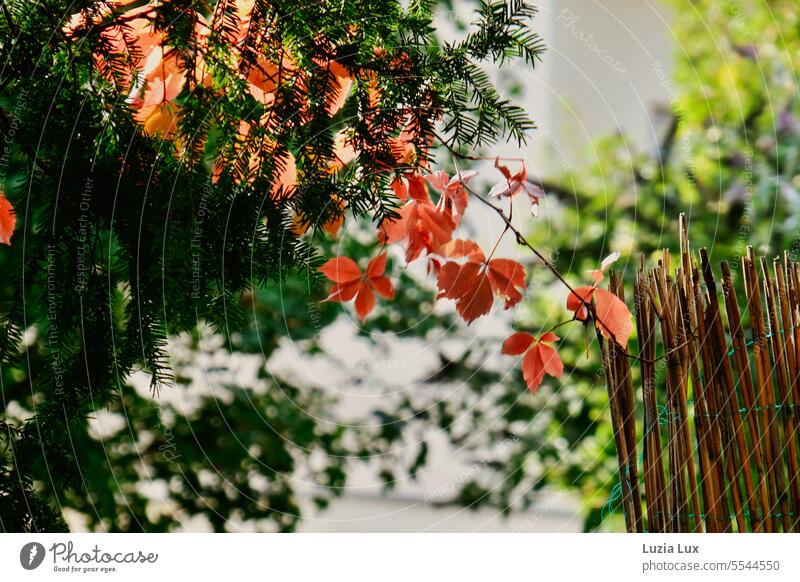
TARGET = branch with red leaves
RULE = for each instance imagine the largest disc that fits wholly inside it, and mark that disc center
(427, 228)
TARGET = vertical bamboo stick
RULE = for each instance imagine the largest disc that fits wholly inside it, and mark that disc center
(620, 441)
(787, 348)
(748, 396)
(786, 448)
(700, 409)
(736, 446)
(717, 511)
(677, 378)
(627, 404)
(790, 300)
(766, 398)
(655, 495)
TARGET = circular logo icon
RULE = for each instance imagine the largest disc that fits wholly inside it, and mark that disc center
(31, 555)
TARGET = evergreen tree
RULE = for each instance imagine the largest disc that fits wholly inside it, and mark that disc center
(164, 158)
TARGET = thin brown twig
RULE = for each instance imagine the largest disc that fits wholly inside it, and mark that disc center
(553, 269)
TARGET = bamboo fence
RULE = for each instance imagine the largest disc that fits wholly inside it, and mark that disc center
(717, 449)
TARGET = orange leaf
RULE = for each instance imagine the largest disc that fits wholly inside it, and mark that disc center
(474, 284)
(549, 337)
(344, 291)
(341, 270)
(599, 274)
(343, 152)
(541, 359)
(402, 148)
(517, 343)
(418, 189)
(377, 266)
(469, 286)
(352, 283)
(512, 184)
(160, 119)
(551, 360)
(613, 317)
(461, 248)
(507, 278)
(454, 198)
(399, 188)
(161, 90)
(438, 179)
(339, 83)
(420, 224)
(577, 300)
(478, 298)
(333, 225)
(447, 281)
(284, 179)
(365, 301)
(8, 220)
(383, 286)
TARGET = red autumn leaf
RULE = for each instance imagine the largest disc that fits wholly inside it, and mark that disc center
(512, 183)
(383, 287)
(377, 266)
(365, 300)
(477, 299)
(517, 343)
(454, 198)
(474, 284)
(343, 152)
(418, 189)
(421, 224)
(612, 316)
(469, 286)
(339, 83)
(402, 148)
(434, 266)
(507, 278)
(516, 183)
(463, 248)
(301, 224)
(540, 358)
(342, 292)
(341, 270)
(8, 220)
(284, 179)
(399, 189)
(438, 179)
(450, 282)
(352, 283)
(577, 300)
(549, 337)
